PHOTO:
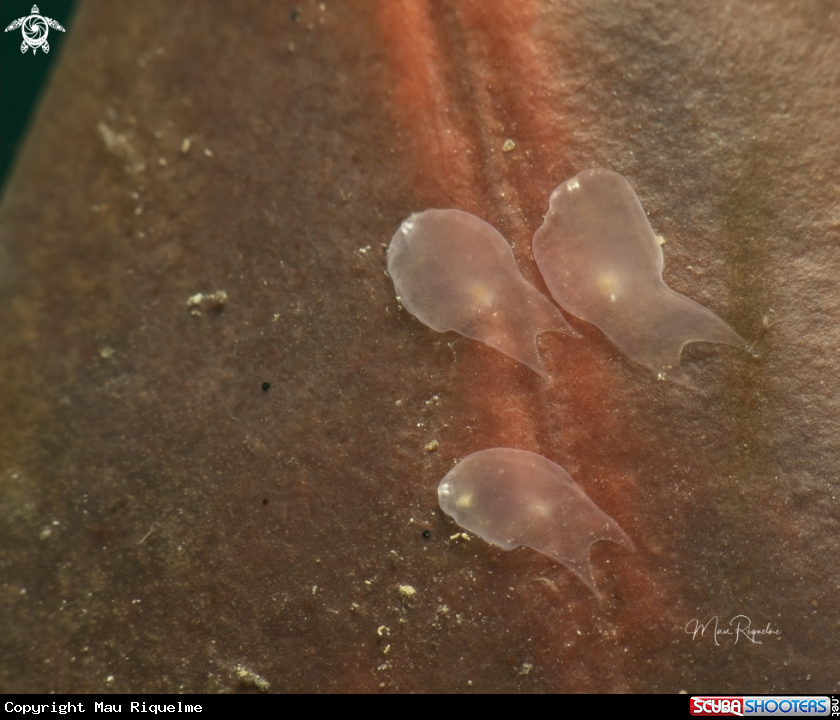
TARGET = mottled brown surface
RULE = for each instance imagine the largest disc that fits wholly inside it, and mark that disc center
(165, 521)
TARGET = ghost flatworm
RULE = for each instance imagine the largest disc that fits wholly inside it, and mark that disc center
(453, 271)
(602, 263)
(515, 497)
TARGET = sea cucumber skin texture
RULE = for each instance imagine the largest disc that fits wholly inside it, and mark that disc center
(453, 271)
(513, 497)
(602, 263)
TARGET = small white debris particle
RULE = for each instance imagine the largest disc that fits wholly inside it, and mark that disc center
(185, 145)
(407, 591)
(249, 677)
(548, 583)
(526, 668)
(118, 144)
(508, 145)
(208, 152)
(107, 353)
(214, 300)
(432, 446)
(382, 630)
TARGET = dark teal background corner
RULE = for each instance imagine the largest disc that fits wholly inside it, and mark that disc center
(23, 77)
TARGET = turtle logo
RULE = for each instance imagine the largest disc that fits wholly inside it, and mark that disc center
(36, 27)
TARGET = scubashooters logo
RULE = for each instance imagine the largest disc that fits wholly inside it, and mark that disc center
(761, 706)
(35, 28)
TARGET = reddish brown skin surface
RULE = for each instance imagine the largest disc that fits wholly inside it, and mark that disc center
(205, 524)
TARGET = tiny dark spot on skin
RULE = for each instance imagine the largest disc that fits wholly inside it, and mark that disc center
(266, 386)
(294, 15)
(265, 501)
(427, 534)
